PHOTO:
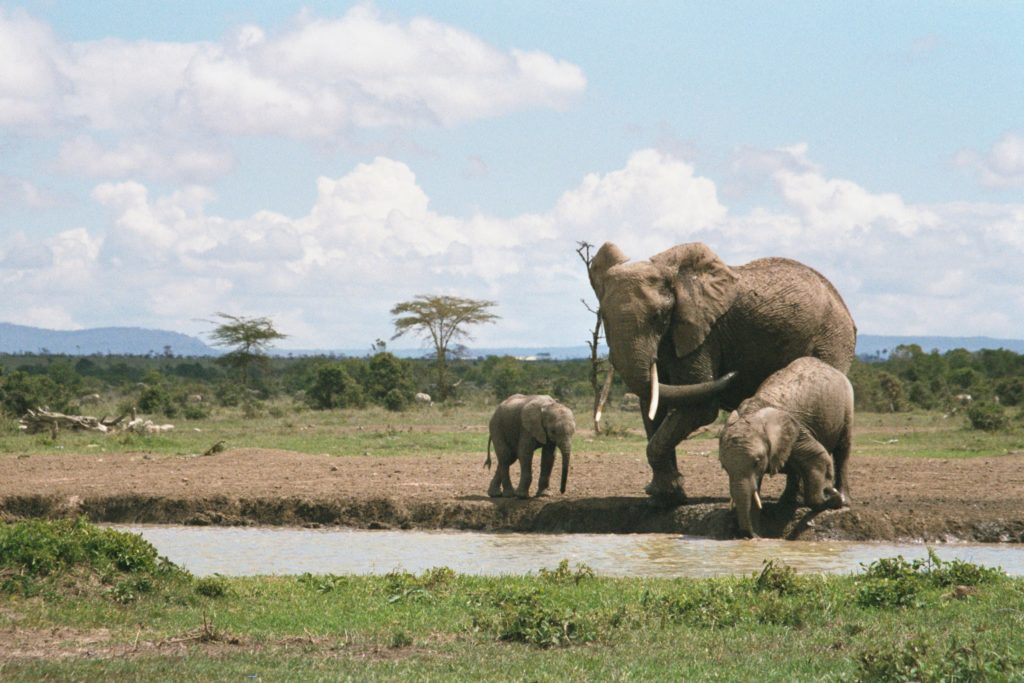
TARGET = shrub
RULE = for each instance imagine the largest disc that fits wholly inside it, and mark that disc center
(20, 391)
(776, 577)
(333, 387)
(195, 411)
(888, 593)
(407, 586)
(155, 399)
(35, 549)
(323, 583)
(704, 605)
(1011, 391)
(212, 587)
(386, 373)
(987, 416)
(395, 401)
(526, 617)
(923, 660)
(562, 573)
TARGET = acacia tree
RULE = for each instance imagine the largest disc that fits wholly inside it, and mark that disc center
(250, 339)
(441, 320)
(600, 389)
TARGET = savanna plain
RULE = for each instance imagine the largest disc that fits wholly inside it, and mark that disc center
(80, 602)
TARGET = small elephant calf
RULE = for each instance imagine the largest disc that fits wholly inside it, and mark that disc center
(798, 422)
(520, 425)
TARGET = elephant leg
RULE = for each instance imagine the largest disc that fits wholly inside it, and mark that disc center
(547, 462)
(501, 483)
(789, 493)
(817, 480)
(524, 453)
(841, 457)
(666, 486)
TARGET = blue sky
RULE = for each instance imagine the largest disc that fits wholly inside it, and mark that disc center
(318, 162)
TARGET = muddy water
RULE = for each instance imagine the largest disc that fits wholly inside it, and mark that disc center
(259, 551)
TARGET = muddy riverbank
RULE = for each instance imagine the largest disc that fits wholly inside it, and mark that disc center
(895, 499)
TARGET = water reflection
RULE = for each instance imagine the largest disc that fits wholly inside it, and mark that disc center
(260, 551)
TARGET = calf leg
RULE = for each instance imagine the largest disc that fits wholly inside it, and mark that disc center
(547, 462)
(501, 483)
(524, 452)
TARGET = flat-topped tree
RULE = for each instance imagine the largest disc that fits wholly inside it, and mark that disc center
(441, 320)
(250, 339)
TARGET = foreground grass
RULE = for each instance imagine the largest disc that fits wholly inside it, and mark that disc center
(438, 430)
(143, 619)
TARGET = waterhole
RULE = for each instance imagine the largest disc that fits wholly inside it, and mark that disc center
(253, 551)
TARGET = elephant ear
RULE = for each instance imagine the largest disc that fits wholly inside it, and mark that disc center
(704, 289)
(533, 417)
(606, 257)
(557, 418)
(781, 431)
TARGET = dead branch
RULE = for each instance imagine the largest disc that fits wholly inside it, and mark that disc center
(42, 419)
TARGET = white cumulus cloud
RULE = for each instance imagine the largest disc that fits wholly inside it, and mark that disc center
(1003, 165)
(371, 238)
(159, 103)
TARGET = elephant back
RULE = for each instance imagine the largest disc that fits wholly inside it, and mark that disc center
(784, 311)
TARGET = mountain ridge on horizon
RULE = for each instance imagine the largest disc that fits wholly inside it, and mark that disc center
(144, 341)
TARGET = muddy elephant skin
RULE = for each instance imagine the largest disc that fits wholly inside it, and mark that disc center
(800, 423)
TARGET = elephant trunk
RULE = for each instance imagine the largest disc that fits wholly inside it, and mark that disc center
(565, 468)
(673, 395)
(676, 395)
(748, 504)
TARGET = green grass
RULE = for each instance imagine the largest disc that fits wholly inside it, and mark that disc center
(896, 620)
(463, 429)
(930, 435)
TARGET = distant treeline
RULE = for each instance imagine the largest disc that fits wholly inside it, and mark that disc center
(170, 385)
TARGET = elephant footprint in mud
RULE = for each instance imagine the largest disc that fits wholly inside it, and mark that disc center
(520, 425)
(800, 423)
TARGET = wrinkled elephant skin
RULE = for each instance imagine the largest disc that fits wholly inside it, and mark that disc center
(799, 423)
(679, 323)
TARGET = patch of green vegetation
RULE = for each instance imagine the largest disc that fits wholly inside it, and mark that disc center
(564, 624)
(123, 565)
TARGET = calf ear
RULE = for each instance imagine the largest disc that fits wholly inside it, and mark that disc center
(704, 289)
(781, 432)
(533, 419)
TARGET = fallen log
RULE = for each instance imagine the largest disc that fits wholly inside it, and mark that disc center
(42, 420)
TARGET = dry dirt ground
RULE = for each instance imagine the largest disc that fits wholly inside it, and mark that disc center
(979, 499)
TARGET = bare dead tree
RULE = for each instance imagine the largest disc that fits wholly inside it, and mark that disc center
(600, 388)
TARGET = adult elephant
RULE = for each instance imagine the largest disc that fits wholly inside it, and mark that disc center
(678, 325)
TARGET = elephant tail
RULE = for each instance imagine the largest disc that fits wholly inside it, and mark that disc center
(487, 463)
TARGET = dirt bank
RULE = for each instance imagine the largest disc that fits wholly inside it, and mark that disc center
(894, 498)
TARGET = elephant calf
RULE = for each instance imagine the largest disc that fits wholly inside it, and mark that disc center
(520, 425)
(799, 422)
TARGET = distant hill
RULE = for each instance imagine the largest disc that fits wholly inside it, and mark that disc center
(874, 345)
(533, 352)
(140, 341)
(115, 340)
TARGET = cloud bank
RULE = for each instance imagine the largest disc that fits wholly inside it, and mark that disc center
(371, 239)
(156, 109)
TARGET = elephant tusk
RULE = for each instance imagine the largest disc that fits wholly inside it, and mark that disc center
(655, 388)
(732, 504)
(597, 416)
(757, 499)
